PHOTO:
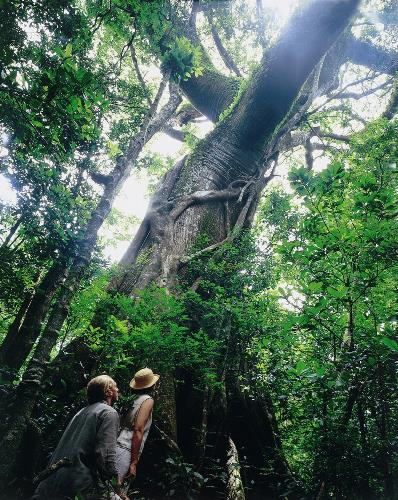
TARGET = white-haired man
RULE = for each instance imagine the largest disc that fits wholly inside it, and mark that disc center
(83, 463)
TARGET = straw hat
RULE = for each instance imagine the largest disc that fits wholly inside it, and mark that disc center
(144, 379)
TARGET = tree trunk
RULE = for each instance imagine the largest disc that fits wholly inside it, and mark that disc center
(17, 344)
(20, 409)
(235, 487)
(16, 323)
(365, 490)
(12, 231)
(385, 452)
(230, 163)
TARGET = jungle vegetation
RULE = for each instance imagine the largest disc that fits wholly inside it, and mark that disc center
(261, 283)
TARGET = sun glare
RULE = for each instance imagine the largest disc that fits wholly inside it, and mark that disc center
(281, 8)
(7, 194)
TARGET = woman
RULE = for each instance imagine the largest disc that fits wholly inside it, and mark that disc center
(135, 425)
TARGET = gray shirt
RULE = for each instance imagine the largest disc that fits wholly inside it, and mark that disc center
(89, 442)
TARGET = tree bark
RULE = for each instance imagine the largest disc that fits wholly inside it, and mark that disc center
(371, 56)
(20, 409)
(392, 105)
(16, 323)
(235, 487)
(385, 451)
(17, 344)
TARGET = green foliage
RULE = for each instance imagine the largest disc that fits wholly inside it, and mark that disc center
(48, 106)
(58, 88)
(117, 228)
(155, 167)
(329, 354)
(183, 59)
(190, 139)
(304, 305)
(244, 84)
(151, 330)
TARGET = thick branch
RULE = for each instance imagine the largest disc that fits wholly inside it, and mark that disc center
(178, 135)
(165, 113)
(285, 68)
(199, 197)
(211, 92)
(371, 56)
(335, 137)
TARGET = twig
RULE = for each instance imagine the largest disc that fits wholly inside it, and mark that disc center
(341, 94)
(139, 74)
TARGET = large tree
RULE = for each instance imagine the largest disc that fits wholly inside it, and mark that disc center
(213, 193)
(215, 190)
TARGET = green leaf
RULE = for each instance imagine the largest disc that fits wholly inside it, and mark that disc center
(338, 293)
(68, 50)
(315, 286)
(390, 343)
(113, 149)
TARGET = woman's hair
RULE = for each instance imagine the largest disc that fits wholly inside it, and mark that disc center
(98, 387)
(148, 390)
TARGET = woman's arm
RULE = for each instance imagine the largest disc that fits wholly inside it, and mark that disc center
(138, 432)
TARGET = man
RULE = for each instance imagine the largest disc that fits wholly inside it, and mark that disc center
(84, 461)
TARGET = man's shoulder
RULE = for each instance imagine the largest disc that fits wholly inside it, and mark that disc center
(99, 409)
(102, 407)
(103, 410)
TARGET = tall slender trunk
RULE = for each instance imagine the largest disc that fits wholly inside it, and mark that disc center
(364, 478)
(16, 323)
(235, 489)
(7, 374)
(385, 452)
(12, 231)
(20, 409)
(18, 343)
